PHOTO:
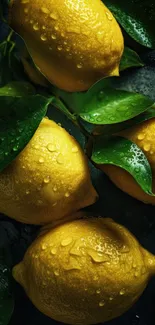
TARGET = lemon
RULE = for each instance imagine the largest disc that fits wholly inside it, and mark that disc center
(74, 43)
(86, 271)
(143, 136)
(48, 180)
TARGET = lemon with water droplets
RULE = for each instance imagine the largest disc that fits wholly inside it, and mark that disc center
(48, 180)
(87, 271)
(74, 43)
(144, 136)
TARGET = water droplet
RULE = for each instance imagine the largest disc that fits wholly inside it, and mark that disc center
(55, 189)
(27, 192)
(54, 16)
(41, 160)
(122, 292)
(24, 1)
(125, 249)
(67, 194)
(111, 298)
(43, 37)
(31, 21)
(26, 10)
(79, 65)
(147, 147)
(47, 179)
(45, 10)
(56, 273)
(56, 27)
(102, 303)
(141, 136)
(67, 241)
(60, 158)
(98, 291)
(51, 147)
(75, 251)
(109, 15)
(43, 27)
(36, 147)
(151, 152)
(43, 247)
(75, 149)
(134, 265)
(53, 251)
(6, 153)
(53, 36)
(59, 48)
(15, 148)
(36, 26)
(97, 257)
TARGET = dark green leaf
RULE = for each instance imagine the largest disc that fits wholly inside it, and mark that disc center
(122, 152)
(130, 59)
(111, 106)
(115, 128)
(16, 88)
(137, 17)
(19, 119)
(103, 104)
(59, 104)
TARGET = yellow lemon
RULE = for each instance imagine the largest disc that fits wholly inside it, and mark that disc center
(86, 271)
(144, 136)
(48, 180)
(74, 43)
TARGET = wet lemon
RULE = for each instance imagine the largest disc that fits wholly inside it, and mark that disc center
(48, 180)
(73, 43)
(143, 136)
(86, 271)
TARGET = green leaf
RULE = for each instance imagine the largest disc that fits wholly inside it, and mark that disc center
(111, 106)
(6, 299)
(103, 104)
(59, 104)
(16, 88)
(19, 119)
(115, 128)
(123, 153)
(137, 17)
(130, 59)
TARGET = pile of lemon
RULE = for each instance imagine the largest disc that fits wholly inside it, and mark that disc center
(79, 270)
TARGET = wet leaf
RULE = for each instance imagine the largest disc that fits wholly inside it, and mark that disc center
(115, 128)
(137, 17)
(110, 106)
(16, 88)
(104, 104)
(19, 118)
(130, 59)
(123, 153)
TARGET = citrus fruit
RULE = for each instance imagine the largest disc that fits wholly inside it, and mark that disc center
(87, 271)
(48, 180)
(73, 43)
(143, 135)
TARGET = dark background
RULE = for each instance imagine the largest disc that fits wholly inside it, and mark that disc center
(136, 216)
